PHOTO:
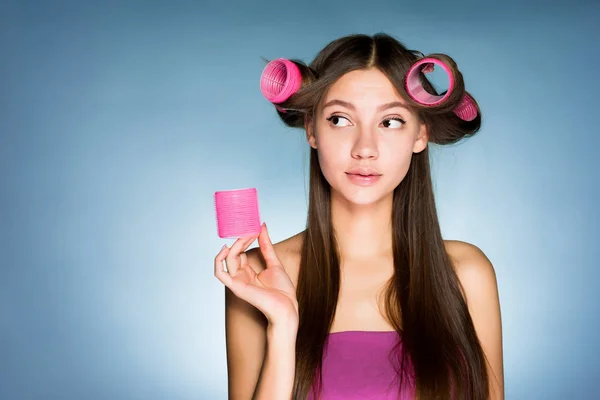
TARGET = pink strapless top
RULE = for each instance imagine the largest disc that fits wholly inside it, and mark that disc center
(356, 365)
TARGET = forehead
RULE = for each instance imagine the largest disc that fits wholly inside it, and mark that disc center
(370, 84)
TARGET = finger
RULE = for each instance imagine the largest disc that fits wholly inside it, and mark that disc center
(232, 260)
(249, 292)
(246, 268)
(243, 260)
(266, 247)
(253, 269)
(220, 273)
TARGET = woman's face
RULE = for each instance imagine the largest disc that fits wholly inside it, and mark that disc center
(364, 136)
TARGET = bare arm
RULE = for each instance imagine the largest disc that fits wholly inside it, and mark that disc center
(245, 328)
(277, 377)
(478, 279)
(261, 357)
(261, 321)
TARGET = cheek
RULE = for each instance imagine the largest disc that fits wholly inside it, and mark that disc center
(330, 158)
(333, 157)
(332, 149)
(398, 161)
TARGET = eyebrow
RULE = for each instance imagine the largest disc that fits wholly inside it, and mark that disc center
(351, 106)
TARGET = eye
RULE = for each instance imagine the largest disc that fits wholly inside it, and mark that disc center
(393, 122)
(338, 119)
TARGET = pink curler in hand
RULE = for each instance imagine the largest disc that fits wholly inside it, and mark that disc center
(466, 109)
(237, 213)
(280, 79)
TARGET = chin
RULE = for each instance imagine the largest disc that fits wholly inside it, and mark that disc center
(363, 196)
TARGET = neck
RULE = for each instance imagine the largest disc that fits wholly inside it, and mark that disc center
(362, 232)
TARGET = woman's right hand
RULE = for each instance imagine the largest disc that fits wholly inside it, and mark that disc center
(271, 290)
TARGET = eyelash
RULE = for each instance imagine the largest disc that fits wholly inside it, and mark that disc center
(387, 119)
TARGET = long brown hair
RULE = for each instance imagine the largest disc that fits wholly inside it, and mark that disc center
(424, 299)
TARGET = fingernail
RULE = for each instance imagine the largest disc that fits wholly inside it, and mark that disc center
(223, 248)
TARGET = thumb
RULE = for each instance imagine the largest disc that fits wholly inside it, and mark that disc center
(266, 247)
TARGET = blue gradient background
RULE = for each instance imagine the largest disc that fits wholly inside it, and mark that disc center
(119, 121)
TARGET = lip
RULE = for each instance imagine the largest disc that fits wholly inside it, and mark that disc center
(363, 180)
(364, 171)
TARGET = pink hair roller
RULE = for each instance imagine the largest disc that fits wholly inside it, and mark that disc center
(280, 79)
(466, 109)
(237, 213)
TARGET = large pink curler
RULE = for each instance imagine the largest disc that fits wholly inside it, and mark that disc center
(280, 79)
(466, 109)
(237, 213)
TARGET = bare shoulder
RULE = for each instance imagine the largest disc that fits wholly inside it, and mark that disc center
(478, 280)
(474, 269)
(475, 272)
(287, 250)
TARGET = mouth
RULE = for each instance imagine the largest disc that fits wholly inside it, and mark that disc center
(361, 174)
(363, 179)
(363, 171)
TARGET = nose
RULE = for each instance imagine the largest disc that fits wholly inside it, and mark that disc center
(365, 145)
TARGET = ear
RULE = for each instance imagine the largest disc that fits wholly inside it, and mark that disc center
(309, 126)
(422, 139)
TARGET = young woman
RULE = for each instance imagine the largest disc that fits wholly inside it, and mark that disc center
(368, 301)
